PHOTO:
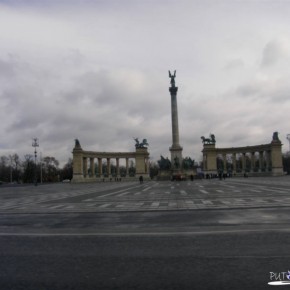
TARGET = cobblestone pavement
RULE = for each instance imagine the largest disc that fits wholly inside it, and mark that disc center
(231, 193)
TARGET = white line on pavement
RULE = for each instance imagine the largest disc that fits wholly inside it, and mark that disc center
(111, 193)
(124, 193)
(203, 191)
(104, 205)
(159, 233)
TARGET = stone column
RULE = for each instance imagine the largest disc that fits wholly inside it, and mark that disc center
(268, 153)
(109, 167)
(234, 163)
(92, 167)
(85, 162)
(118, 167)
(225, 162)
(252, 161)
(244, 162)
(127, 167)
(175, 149)
(261, 161)
(100, 167)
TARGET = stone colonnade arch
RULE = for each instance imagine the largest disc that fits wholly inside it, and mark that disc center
(81, 157)
(269, 159)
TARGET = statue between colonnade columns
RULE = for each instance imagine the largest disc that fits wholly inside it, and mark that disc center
(81, 172)
(269, 158)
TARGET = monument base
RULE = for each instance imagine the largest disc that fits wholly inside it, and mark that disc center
(176, 174)
(277, 171)
(176, 157)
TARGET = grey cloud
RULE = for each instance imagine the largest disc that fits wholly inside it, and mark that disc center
(102, 76)
(276, 91)
(6, 69)
(234, 64)
(249, 90)
(272, 53)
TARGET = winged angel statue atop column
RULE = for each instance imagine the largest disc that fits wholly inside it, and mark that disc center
(172, 77)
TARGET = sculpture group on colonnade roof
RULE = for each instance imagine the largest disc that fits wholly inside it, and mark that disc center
(143, 144)
(210, 140)
(77, 143)
(275, 137)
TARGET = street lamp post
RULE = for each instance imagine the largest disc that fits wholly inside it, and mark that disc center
(11, 169)
(40, 167)
(35, 144)
(288, 138)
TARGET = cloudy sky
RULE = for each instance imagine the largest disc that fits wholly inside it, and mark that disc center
(98, 71)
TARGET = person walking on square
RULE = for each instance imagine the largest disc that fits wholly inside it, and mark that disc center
(141, 179)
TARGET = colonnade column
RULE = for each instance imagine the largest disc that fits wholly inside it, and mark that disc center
(260, 161)
(234, 163)
(225, 162)
(100, 167)
(244, 162)
(118, 167)
(92, 167)
(108, 167)
(85, 169)
(252, 161)
(268, 153)
(127, 167)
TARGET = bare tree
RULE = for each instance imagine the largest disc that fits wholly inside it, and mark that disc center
(28, 168)
(4, 169)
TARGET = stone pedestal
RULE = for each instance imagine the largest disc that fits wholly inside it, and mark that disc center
(176, 159)
(142, 168)
(209, 153)
(78, 164)
(276, 156)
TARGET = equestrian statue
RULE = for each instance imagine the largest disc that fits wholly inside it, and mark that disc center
(210, 140)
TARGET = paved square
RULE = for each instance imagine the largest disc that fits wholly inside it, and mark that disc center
(232, 193)
(205, 234)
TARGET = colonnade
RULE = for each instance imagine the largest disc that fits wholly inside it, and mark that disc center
(89, 168)
(248, 161)
(259, 159)
(84, 164)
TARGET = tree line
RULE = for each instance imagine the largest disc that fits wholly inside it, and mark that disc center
(22, 170)
(14, 169)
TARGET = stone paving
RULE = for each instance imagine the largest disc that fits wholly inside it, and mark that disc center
(150, 196)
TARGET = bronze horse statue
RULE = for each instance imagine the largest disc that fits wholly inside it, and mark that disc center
(210, 140)
(143, 144)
